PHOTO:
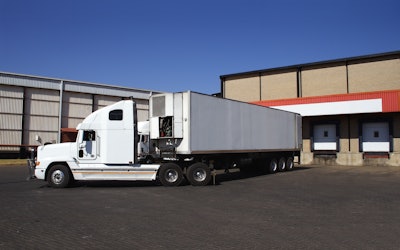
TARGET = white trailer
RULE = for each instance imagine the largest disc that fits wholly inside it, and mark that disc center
(191, 134)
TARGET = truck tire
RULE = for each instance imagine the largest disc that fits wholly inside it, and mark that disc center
(282, 164)
(272, 166)
(198, 174)
(289, 164)
(170, 175)
(59, 176)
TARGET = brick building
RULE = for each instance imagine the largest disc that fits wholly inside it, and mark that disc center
(350, 106)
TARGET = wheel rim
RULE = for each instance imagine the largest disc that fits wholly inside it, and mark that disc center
(171, 175)
(282, 164)
(199, 175)
(274, 165)
(57, 177)
(289, 164)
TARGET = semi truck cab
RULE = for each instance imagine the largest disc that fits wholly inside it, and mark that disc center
(105, 149)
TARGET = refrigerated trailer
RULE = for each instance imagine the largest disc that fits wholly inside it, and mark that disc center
(189, 135)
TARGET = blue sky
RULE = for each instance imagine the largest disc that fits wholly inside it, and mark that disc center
(186, 45)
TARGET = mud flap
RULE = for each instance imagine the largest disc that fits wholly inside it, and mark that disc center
(31, 168)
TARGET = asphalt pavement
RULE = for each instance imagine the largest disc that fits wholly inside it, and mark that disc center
(316, 207)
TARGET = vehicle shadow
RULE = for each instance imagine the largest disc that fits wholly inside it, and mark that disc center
(220, 178)
(113, 184)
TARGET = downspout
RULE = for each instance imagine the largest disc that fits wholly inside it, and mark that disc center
(299, 85)
(93, 102)
(347, 77)
(23, 150)
(349, 135)
(60, 111)
(222, 87)
(260, 84)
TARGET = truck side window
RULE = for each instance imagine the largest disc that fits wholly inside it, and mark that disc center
(115, 115)
(89, 135)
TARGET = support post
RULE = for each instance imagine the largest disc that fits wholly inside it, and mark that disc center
(60, 111)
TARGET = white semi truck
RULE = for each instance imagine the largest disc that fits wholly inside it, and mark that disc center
(188, 135)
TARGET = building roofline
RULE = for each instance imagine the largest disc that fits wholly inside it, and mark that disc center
(80, 86)
(320, 63)
(74, 81)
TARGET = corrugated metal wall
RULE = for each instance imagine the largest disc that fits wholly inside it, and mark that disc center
(30, 107)
(11, 111)
(102, 101)
(41, 115)
(142, 110)
(22, 80)
(76, 106)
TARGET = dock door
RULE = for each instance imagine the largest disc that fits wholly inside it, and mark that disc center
(325, 137)
(375, 137)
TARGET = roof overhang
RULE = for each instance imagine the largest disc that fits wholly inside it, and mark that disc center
(357, 103)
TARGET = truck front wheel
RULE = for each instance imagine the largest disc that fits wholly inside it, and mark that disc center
(170, 175)
(198, 174)
(59, 176)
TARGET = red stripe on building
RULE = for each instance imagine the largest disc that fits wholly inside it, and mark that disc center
(390, 99)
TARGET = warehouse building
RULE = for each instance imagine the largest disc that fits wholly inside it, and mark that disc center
(35, 110)
(350, 106)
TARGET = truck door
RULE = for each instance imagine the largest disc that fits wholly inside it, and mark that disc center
(87, 146)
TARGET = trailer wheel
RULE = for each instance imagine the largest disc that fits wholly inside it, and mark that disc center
(272, 166)
(59, 176)
(282, 164)
(170, 175)
(289, 163)
(198, 174)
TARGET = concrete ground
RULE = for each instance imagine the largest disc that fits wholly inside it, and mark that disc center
(316, 207)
